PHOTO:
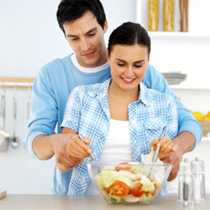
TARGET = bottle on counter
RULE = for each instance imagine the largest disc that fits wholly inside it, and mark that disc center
(168, 15)
(198, 178)
(153, 15)
(185, 183)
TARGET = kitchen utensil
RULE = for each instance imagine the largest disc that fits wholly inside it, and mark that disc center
(3, 108)
(156, 152)
(14, 139)
(28, 104)
(4, 141)
(3, 194)
(91, 155)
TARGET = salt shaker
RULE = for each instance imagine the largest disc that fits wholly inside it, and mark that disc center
(185, 183)
(198, 178)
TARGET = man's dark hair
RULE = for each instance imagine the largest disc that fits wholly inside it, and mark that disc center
(129, 34)
(70, 10)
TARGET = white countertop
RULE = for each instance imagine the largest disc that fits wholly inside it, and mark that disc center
(52, 202)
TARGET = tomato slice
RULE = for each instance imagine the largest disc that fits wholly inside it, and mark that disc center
(118, 188)
(137, 190)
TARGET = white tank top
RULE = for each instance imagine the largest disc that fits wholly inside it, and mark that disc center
(117, 147)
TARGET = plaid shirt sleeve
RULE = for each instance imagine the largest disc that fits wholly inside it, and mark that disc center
(73, 108)
(172, 118)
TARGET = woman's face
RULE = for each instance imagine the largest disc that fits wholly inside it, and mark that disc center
(128, 65)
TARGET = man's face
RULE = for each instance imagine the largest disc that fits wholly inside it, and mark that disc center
(128, 65)
(86, 37)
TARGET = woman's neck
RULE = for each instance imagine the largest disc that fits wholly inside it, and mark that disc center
(119, 101)
(125, 95)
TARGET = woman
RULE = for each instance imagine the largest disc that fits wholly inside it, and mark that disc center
(95, 114)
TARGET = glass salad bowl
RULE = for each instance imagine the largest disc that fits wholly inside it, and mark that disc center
(131, 182)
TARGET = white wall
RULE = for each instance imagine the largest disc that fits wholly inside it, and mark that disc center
(188, 55)
(30, 36)
(195, 100)
(119, 12)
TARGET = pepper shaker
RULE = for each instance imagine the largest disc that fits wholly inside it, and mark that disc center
(185, 183)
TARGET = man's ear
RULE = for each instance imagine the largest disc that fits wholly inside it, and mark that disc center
(105, 26)
(108, 59)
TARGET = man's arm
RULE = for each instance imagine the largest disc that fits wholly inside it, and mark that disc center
(42, 147)
(188, 128)
(43, 117)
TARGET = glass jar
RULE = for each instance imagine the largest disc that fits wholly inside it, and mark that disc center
(153, 15)
(183, 8)
(168, 15)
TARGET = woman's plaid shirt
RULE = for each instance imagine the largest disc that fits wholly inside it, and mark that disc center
(87, 112)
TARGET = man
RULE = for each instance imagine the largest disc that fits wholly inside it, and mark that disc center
(84, 24)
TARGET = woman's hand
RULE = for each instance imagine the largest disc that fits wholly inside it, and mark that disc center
(70, 149)
(170, 152)
(77, 149)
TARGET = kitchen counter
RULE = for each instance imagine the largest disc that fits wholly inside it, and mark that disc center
(52, 202)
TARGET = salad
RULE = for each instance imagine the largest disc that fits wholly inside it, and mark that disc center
(128, 183)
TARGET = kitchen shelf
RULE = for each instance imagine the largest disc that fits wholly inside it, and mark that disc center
(190, 87)
(197, 20)
(178, 35)
(16, 81)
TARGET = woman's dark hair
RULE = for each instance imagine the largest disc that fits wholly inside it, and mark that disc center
(129, 34)
(70, 10)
